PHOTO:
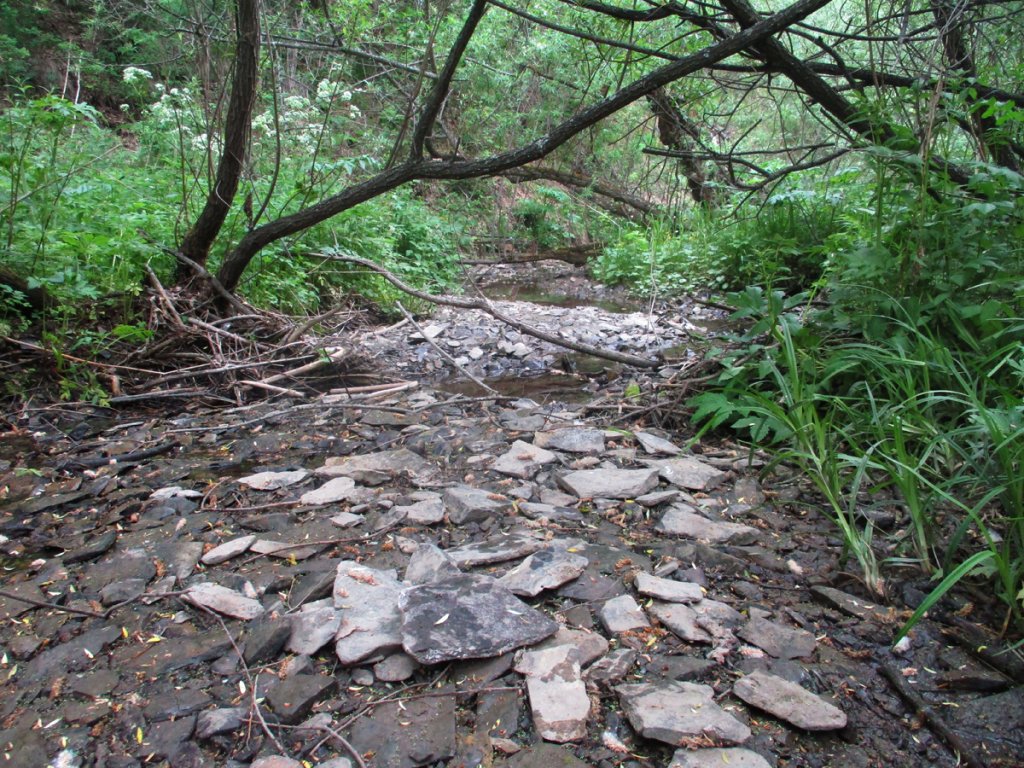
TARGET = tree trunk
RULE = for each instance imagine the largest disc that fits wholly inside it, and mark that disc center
(199, 239)
(678, 133)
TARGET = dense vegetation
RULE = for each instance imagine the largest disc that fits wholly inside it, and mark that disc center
(852, 188)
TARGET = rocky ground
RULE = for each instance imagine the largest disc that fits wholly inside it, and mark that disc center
(424, 578)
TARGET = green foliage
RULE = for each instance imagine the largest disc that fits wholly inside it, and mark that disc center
(907, 390)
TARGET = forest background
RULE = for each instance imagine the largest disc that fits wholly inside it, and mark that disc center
(845, 176)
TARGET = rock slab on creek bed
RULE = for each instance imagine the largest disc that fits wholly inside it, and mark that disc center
(467, 617)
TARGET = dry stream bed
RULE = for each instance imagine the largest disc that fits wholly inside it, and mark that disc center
(428, 578)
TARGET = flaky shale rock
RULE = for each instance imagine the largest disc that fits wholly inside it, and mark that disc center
(467, 617)
(679, 712)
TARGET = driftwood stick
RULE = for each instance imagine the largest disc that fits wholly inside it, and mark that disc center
(271, 388)
(441, 352)
(485, 306)
(332, 356)
(929, 715)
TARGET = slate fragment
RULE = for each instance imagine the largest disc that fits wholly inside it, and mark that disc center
(549, 568)
(229, 549)
(610, 483)
(677, 712)
(223, 600)
(420, 732)
(292, 699)
(669, 590)
(271, 481)
(370, 618)
(466, 504)
(733, 757)
(689, 473)
(467, 617)
(558, 697)
(778, 640)
(788, 701)
(523, 460)
(683, 520)
(92, 550)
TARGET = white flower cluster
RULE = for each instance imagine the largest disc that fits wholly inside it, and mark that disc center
(135, 74)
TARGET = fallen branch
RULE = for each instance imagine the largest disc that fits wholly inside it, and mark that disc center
(441, 352)
(332, 357)
(923, 710)
(485, 306)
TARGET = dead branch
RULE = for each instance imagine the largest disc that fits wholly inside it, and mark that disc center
(485, 306)
(441, 352)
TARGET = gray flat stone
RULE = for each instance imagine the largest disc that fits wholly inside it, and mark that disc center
(680, 620)
(265, 639)
(688, 473)
(683, 520)
(558, 696)
(467, 617)
(543, 756)
(427, 509)
(613, 667)
(334, 490)
(429, 564)
(347, 520)
(377, 468)
(370, 618)
(523, 460)
(285, 550)
(229, 549)
(223, 600)
(621, 614)
(547, 569)
(854, 606)
(314, 626)
(668, 590)
(676, 712)
(589, 646)
(657, 498)
(215, 721)
(725, 757)
(789, 702)
(571, 440)
(466, 504)
(395, 668)
(499, 549)
(275, 761)
(122, 591)
(292, 699)
(778, 640)
(654, 444)
(271, 481)
(610, 483)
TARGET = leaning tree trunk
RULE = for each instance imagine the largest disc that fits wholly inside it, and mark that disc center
(678, 133)
(199, 239)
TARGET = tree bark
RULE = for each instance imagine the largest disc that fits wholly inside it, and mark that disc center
(678, 133)
(237, 130)
(414, 168)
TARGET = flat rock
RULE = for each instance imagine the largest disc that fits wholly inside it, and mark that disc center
(654, 444)
(589, 646)
(622, 614)
(427, 508)
(292, 699)
(499, 549)
(265, 639)
(92, 550)
(122, 591)
(543, 756)
(467, 617)
(271, 481)
(523, 460)
(558, 696)
(275, 761)
(224, 601)
(613, 667)
(285, 550)
(395, 668)
(778, 640)
(657, 498)
(686, 622)
(407, 734)
(668, 590)
(847, 603)
(377, 468)
(725, 757)
(688, 473)
(571, 440)
(224, 720)
(683, 520)
(347, 520)
(466, 504)
(788, 701)
(675, 712)
(334, 490)
(547, 569)
(370, 619)
(73, 655)
(229, 549)
(429, 564)
(11, 607)
(610, 483)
